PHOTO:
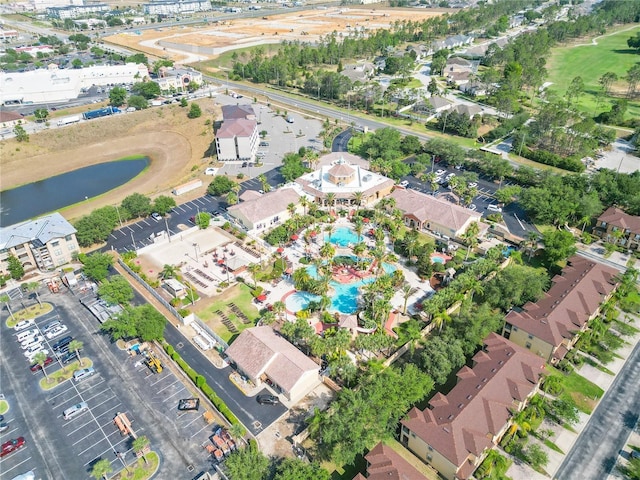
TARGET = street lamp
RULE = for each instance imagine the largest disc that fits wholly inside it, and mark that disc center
(195, 248)
(119, 218)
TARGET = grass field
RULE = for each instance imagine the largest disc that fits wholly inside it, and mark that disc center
(577, 388)
(590, 62)
(241, 296)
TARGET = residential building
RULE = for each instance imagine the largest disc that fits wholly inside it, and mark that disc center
(261, 212)
(237, 137)
(550, 326)
(618, 227)
(35, 49)
(10, 119)
(454, 433)
(76, 11)
(171, 7)
(260, 354)
(358, 72)
(45, 243)
(384, 462)
(172, 79)
(426, 212)
(53, 84)
(469, 110)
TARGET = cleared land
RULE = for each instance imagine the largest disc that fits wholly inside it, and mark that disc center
(191, 43)
(176, 145)
(590, 61)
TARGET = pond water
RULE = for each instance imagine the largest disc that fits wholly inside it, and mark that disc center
(54, 193)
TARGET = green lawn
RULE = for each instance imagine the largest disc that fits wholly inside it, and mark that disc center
(62, 375)
(577, 388)
(34, 311)
(240, 295)
(591, 62)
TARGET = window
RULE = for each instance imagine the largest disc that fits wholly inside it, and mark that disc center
(429, 457)
(57, 252)
(528, 345)
(430, 448)
(55, 244)
(515, 329)
(69, 238)
(530, 337)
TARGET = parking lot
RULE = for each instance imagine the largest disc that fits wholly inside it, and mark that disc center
(59, 448)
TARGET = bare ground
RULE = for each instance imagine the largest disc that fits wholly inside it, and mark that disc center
(177, 146)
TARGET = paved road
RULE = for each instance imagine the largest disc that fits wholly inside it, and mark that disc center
(594, 454)
(341, 141)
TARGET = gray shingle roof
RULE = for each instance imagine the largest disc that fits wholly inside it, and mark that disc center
(43, 229)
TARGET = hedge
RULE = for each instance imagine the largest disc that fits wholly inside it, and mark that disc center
(548, 158)
(200, 382)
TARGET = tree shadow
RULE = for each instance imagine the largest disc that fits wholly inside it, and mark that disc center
(626, 51)
(630, 419)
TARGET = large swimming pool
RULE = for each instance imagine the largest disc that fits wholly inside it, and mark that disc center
(343, 237)
(344, 298)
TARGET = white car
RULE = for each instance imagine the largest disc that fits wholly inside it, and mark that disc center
(211, 171)
(35, 348)
(22, 336)
(403, 183)
(29, 342)
(56, 331)
(450, 176)
(472, 207)
(472, 185)
(23, 324)
(32, 356)
(494, 208)
(440, 172)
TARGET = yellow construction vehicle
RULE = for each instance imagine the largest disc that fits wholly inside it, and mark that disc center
(153, 363)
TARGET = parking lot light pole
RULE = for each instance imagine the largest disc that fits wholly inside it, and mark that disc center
(133, 241)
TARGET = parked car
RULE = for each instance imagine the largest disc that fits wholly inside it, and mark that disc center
(83, 373)
(473, 207)
(51, 325)
(31, 357)
(23, 324)
(263, 144)
(36, 367)
(4, 426)
(494, 208)
(63, 342)
(156, 216)
(440, 172)
(450, 176)
(290, 119)
(403, 183)
(31, 341)
(472, 185)
(77, 409)
(211, 171)
(267, 400)
(26, 334)
(33, 349)
(68, 357)
(54, 332)
(11, 446)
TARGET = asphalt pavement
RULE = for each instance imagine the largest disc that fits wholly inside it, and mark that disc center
(594, 454)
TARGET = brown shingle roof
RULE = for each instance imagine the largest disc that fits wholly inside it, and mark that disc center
(341, 170)
(6, 116)
(238, 111)
(478, 407)
(618, 218)
(574, 296)
(236, 127)
(426, 207)
(259, 350)
(384, 463)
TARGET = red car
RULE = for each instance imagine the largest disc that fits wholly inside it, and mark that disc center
(11, 446)
(36, 367)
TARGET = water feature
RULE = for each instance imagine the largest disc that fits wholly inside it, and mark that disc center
(54, 193)
(343, 237)
(345, 295)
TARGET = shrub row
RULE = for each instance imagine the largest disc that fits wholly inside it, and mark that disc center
(200, 382)
(548, 158)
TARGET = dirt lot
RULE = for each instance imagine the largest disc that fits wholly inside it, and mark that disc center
(208, 41)
(176, 145)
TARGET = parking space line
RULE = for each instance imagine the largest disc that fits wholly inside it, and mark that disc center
(90, 434)
(174, 394)
(199, 431)
(6, 470)
(101, 403)
(160, 379)
(91, 446)
(171, 385)
(112, 408)
(62, 392)
(199, 201)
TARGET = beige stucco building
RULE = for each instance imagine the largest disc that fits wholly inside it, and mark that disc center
(262, 355)
(45, 243)
(455, 432)
(258, 212)
(550, 326)
(237, 138)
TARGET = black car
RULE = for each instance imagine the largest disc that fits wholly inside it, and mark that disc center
(68, 357)
(63, 342)
(267, 400)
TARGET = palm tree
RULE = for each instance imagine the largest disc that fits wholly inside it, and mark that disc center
(40, 358)
(531, 242)
(6, 299)
(279, 307)
(327, 252)
(101, 469)
(254, 268)
(407, 291)
(359, 248)
(168, 271)
(291, 208)
(237, 431)
(33, 287)
(264, 182)
(139, 446)
(329, 231)
(305, 203)
(357, 198)
(440, 319)
(470, 237)
(76, 346)
(358, 227)
(410, 333)
(330, 199)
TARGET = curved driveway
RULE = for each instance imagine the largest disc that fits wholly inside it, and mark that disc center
(594, 454)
